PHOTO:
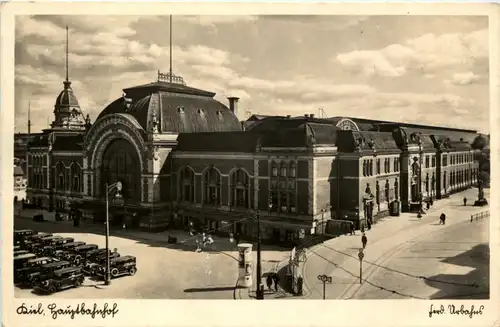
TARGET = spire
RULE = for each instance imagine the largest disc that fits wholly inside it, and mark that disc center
(170, 70)
(67, 50)
(29, 117)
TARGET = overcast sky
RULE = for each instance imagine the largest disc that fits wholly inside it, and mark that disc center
(424, 69)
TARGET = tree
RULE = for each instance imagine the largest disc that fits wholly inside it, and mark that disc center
(479, 142)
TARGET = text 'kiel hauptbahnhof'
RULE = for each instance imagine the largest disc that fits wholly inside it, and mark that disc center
(183, 157)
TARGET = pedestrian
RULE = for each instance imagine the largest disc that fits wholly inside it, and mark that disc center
(276, 281)
(442, 218)
(428, 205)
(465, 201)
(353, 231)
(364, 240)
(369, 224)
(269, 281)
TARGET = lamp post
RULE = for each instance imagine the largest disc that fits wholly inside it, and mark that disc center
(259, 293)
(118, 187)
(325, 279)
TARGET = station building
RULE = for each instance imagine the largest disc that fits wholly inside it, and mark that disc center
(183, 157)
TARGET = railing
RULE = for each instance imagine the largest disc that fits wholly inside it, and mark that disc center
(480, 215)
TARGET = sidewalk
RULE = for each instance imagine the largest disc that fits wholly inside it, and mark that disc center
(338, 257)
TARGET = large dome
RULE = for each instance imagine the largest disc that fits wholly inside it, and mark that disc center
(66, 99)
(178, 108)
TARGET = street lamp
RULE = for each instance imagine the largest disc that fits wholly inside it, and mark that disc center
(118, 187)
(260, 292)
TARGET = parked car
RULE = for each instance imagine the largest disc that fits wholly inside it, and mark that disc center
(91, 267)
(31, 266)
(79, 254)
(20, 252)
(60, 242)
(49, 240)
(21, 235)
(20, 262)
(38, 236)
(47, 251)
(68, 247)
(126, 265)
(46, 272)
(62, 279)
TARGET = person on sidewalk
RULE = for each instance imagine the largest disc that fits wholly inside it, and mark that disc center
(269, 282)
(465, 201)
(276, 279)
(442, 219)
(364, 240)
(353, 231)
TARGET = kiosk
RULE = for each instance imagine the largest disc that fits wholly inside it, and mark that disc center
(245, 265)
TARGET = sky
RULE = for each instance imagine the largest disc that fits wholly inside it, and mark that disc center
(421, 69)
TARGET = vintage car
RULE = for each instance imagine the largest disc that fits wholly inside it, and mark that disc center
(62, 279)
(91, 267)
(31, 266)
(79, 254)
(20, 262)
(38, 236)
(58, 244)
(20, 252)
(22, 234)
(46, 272)
(49, 240)
(125, 265)
(47, 251)
(69, 247)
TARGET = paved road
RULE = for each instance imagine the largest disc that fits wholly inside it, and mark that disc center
(163, 272)
(338, 257)
(450, 259)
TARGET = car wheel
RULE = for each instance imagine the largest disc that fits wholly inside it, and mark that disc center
(114, 272)
(132, 271)
(52, 289)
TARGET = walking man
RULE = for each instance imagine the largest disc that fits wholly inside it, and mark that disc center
(364, 240)
(269, 281)
(465, 201)
(276, 281)
(353, 231)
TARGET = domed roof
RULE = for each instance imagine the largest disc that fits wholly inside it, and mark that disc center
(176, 107)
(66, 99)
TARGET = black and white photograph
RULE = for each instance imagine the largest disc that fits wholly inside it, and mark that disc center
(252, 157)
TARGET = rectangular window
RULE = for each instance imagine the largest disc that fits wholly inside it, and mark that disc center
(275, 171)
(426, 161)
(433, 159)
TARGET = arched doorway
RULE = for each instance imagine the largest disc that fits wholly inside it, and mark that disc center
(120, 162)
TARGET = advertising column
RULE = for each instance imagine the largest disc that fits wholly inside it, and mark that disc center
(245, 265)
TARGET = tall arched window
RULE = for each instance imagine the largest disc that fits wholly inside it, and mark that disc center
(240, 189)
(377, 193)
(396, 189)
(387, 190)
(212, 179)
(76, 172)
(61, 176)
(186, 179)
(427, 183)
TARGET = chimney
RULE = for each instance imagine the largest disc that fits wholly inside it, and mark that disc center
(311, 115)
(233, 104)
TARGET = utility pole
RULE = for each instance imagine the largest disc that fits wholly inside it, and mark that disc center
(260, 292)
(325, 279)
(109, 188)
(361, 255)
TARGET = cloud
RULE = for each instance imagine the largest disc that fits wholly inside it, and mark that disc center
(464, 78)
(427, 53)
(212, 21)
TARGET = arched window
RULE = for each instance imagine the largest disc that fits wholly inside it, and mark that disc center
(378, 166)
(274, 169)
(212, 180)
(186, 179)
(365, 168)
(396, 189)
(427, 183)
(371, 167)
(76, 172)
(61, 176)
(387, 190)
(377, 193)
(293, 170)
(240, 189)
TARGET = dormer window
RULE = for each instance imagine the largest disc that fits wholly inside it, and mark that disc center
(219, 114)
(180, 109)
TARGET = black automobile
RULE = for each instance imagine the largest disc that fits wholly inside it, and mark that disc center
(68, 247)
(79, 254)
(58, 244)
(91, 266)
(31, 266)
(47, 251)
(22, 234)
(38, 236)
(20, 252)
(126, 265)
(49, 240)
(46, 272)
(62, 279)
(20, 262)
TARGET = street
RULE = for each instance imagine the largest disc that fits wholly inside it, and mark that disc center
(164, 271)
(401, 251)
